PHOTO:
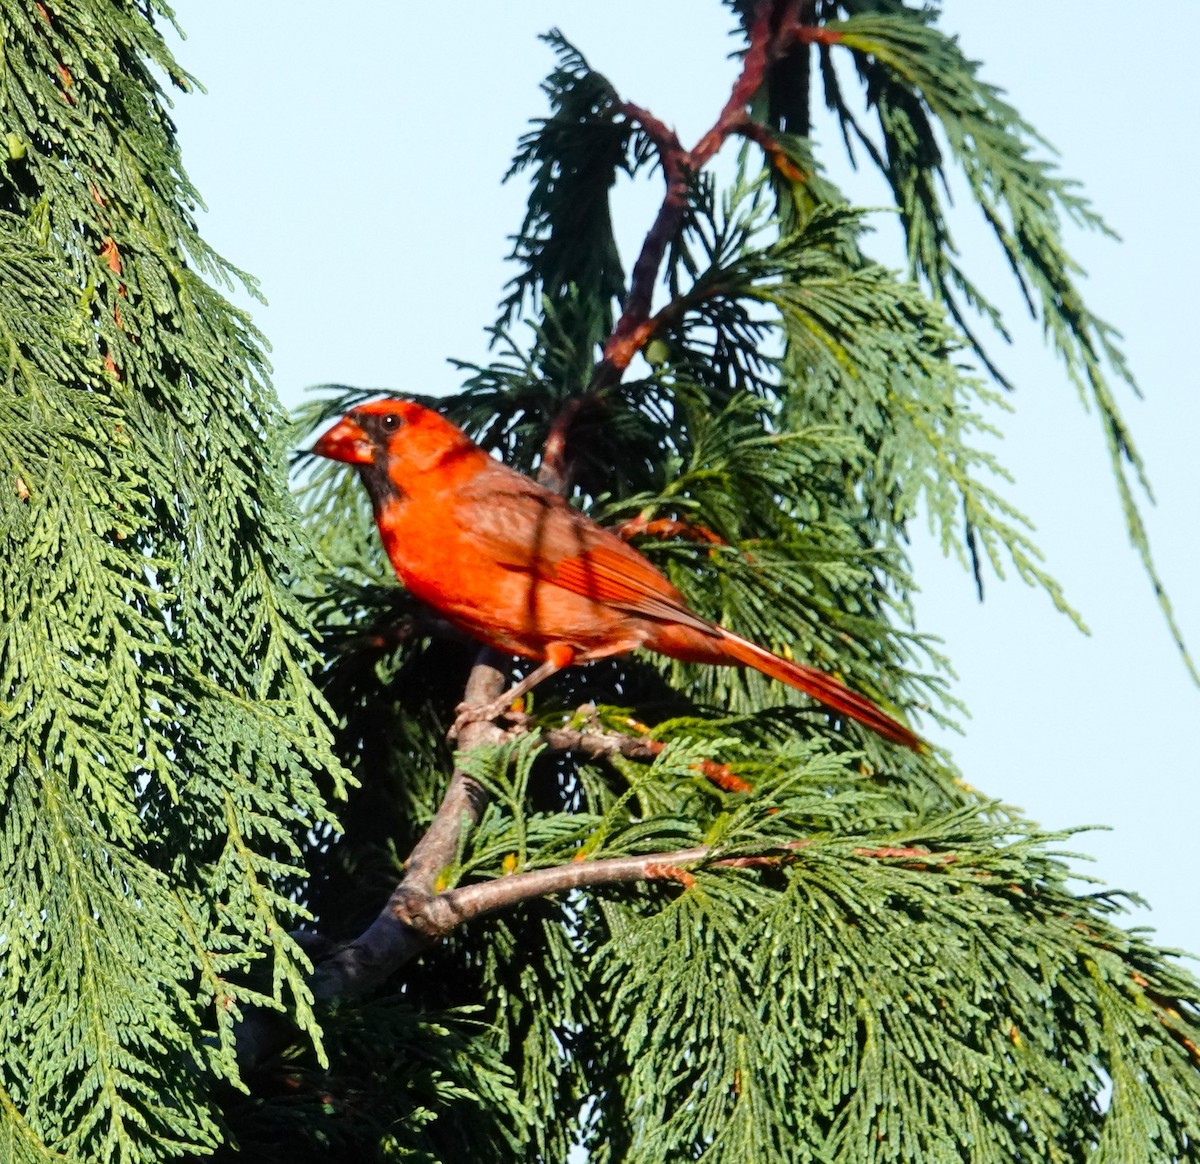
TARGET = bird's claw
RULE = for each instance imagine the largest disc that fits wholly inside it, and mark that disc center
(469, 713)
(465, 714)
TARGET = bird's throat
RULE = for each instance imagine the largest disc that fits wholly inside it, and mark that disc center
(379, 484)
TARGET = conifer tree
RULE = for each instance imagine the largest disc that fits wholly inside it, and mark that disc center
(664, 911)
(160, 737)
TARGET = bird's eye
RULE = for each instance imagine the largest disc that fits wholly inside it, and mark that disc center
(390, 422)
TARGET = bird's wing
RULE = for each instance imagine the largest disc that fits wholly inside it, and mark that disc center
(521, 526)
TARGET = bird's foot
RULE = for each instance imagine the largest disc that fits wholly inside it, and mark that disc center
(512, 699)
(469, 713)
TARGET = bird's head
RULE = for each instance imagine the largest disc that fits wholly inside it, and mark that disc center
(398, 436)
(368, 430)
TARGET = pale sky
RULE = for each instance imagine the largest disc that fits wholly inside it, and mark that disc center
(351, 156)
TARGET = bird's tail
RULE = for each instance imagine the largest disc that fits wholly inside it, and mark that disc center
(822, 687)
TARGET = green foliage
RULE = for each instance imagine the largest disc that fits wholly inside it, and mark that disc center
(395, 1076)
(873, 963)
(160, 737)
(920, 1006)
(919, 84)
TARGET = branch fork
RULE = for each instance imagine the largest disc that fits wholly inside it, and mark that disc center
(774, 29)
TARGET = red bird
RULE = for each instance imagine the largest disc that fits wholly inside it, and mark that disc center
(516, 567)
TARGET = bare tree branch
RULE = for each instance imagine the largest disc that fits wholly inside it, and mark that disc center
(389, 942)
(439, 914)
(464, 800)
(436, 915)
(590, 741)
(635, 326)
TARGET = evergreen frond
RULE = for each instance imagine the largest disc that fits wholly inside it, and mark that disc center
(916, 79)
(822, 1029)
(160, 735)
(565, 248)
(763, 932)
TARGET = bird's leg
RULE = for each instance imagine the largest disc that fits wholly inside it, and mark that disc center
(558, 656)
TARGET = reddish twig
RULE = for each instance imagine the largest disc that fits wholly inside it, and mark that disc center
(635, 326)
(778, 157)
(668, 872)
(723, 776)
(815, 34)
(913, 857)
(554, 471)
(678, 166)
(888, 852)
(759, 50)
(599, 745)
(664, 138)
(667, 527)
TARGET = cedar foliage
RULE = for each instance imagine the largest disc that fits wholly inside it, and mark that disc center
(872, 962)
(160, 737)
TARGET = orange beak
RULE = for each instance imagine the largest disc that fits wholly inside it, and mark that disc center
(347, 442)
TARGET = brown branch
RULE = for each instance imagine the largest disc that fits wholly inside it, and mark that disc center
(433, 916)
(778, 157)
(554, 471)
(464, 800)
(417, 914)
(635, 326)
(816, 34)
(754, 68)
(666, 141)
(389, 942)
(678, 167)
(437, 915)
(416, 917)
(599, 745)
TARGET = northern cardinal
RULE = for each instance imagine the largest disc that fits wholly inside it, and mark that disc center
(519, 569)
